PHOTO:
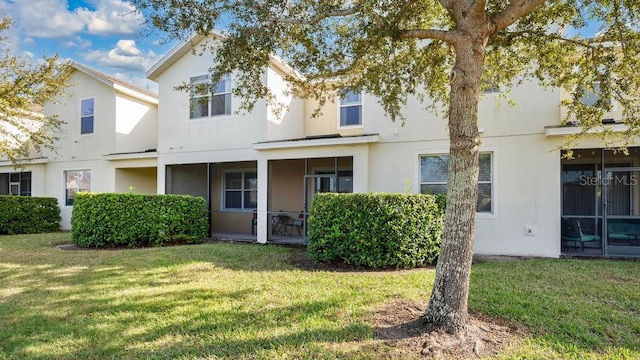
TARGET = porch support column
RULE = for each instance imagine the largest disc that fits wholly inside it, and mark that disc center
(263, 189)
(162, 178)
(361, 169)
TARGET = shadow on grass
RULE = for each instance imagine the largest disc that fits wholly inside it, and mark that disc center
(135, 304)
(156, 328)
(566, 304)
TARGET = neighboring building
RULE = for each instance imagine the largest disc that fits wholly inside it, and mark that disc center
(107, 143)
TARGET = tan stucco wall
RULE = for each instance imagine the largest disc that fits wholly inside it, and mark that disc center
(136, 180)
(287, 181)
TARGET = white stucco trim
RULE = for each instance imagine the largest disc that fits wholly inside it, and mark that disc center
(573, 130)
(289, 144)
(41, 160)
(131, 156)
(135, 94)
(494, 178)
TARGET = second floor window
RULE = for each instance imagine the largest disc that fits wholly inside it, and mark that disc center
(86, 116)
(207, 99)
(350, 109)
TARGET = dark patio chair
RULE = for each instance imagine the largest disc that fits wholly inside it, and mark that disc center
(572, 231)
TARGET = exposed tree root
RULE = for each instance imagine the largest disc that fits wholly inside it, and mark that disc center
(399, 324)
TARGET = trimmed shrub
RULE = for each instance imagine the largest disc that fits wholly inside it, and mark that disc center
(28, 215)
(132, 220)
(375, 230)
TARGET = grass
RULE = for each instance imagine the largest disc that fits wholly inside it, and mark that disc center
(241, 301)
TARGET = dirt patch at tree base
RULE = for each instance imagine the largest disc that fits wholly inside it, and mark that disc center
(400, 326)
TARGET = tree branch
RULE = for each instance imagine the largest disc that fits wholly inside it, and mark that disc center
(514, 11)
(583, 43)
(317, 18)
(442, 35)
(403, 11)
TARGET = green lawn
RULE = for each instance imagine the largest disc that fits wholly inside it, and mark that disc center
(246, 301)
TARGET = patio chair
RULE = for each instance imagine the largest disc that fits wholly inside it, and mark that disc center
(572, 231)
(297, 223)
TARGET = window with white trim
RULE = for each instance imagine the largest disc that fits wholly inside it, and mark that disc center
(207, 99)
(15, 183)
(76, 181)
(241, 190)
(350, 109)
(433, 178)
(87, 112)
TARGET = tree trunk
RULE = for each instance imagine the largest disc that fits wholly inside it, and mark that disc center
(448, 303)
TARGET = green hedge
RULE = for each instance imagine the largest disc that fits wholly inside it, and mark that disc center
(28, 215)
(376, 230)
(132, 220)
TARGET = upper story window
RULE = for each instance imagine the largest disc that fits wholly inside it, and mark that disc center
(350, 109)
(75, 182)
(594, 98)
(86, 115)
(207, 99)
(433, 178)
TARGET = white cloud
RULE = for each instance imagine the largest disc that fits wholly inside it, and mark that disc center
(77, 42)
(53, 19)
(113, 17)
(48, 18)
(125, 56)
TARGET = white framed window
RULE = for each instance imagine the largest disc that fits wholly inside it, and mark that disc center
(75, 182)
(594, 97)
(87, 115)
(240, 190)
(433, 178)
(350, 109)
(15, 183)
(207, 99)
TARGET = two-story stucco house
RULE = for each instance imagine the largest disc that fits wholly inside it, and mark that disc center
(254, 167)
(107, 143)
(259, 171)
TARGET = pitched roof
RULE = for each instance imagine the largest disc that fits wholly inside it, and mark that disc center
(189, 44)
(117, 84)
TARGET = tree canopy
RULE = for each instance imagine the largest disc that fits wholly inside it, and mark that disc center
(400, 48)
(24, 89)
(444, 52)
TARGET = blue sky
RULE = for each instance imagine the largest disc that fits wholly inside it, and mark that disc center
(103, 34)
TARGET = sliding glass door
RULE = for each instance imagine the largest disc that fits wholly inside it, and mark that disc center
(601, 202)
(622, 204)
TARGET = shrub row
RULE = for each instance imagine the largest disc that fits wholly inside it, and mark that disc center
(131, 220)
(28, 215)
(376, 230)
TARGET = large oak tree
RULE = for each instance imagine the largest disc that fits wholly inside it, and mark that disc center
(25, 87)
(444, 52)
